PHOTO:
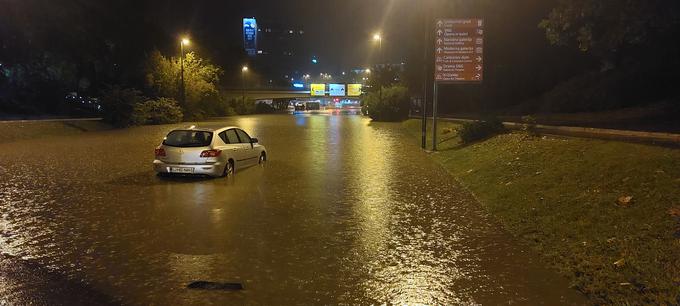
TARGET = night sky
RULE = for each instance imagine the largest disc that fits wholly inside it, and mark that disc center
(339, 32)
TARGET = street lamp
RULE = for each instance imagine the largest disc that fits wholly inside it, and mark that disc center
(244, 70)
(377, 37)
(183, 42)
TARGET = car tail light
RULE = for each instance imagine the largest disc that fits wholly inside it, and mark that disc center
(160, 152)
(211, 153)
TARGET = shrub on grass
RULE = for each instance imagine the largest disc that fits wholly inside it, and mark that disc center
(480, 130)
(243, 107)
(264, 108)
(529, 125)
(160, 111)
(393, 106)
(118, 104)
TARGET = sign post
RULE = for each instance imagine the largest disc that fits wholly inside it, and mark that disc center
(459, 57)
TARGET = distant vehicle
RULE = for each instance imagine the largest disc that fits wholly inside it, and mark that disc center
(87, 104)
(211, 151)
(313, 106)
(300, 107)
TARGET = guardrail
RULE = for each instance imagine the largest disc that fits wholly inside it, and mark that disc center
(586, 132)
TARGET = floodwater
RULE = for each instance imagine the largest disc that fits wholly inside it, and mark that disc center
(344, 212)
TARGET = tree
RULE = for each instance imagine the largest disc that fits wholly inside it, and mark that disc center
(382, 77)
(200, 79)
(119, 105)
(392, 106)
(160, 111)
(609, 28)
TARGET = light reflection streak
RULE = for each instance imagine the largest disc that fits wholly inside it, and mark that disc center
(405, 268)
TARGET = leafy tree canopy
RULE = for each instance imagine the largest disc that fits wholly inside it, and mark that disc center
(607, 27)
(200, 79)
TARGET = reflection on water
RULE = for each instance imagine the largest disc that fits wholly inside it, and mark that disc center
(345, 211)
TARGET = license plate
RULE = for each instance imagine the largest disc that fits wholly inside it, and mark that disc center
(182, 170)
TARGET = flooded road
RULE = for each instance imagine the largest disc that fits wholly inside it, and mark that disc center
(344, 212)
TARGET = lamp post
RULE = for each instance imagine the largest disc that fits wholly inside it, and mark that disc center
(244, 70)
(377, 37)
(184, 42)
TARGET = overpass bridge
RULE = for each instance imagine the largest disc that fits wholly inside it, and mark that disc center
(264, 94)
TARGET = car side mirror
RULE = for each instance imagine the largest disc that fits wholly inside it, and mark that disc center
(254, 140)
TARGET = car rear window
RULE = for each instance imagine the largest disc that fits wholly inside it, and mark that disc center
(188, 139)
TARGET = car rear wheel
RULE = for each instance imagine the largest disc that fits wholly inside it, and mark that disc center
(229, 169)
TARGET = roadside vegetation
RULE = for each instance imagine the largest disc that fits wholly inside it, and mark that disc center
(392, 104)
(605, 214)
(160, 101)
(470, 132)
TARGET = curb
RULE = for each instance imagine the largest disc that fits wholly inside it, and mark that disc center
(52, 120)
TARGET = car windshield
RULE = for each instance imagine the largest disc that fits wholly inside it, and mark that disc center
(187, 139)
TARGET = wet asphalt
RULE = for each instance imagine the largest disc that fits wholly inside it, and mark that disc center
(345, 211)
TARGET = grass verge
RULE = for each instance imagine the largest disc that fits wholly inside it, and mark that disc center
(566, 198)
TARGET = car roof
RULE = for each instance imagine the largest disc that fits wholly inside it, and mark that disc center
(209, 127)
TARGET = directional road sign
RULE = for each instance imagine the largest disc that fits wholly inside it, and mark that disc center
(459, 50)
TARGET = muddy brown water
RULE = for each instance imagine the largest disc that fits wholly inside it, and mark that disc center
(344, 212)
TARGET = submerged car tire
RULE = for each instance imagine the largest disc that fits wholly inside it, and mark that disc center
(228, 169)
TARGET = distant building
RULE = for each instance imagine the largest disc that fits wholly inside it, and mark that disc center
(280, 40)
(277, 50)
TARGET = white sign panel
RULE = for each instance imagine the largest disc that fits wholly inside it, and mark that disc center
(337, 90)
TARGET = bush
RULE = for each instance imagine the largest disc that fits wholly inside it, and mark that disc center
(529, 125)
(243, 107)
(480, 130)
(264, 108)
(221, 107)
(161, 111)
(118, 104)
(393, 107)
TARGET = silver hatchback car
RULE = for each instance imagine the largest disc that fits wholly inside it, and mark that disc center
(208, 151)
